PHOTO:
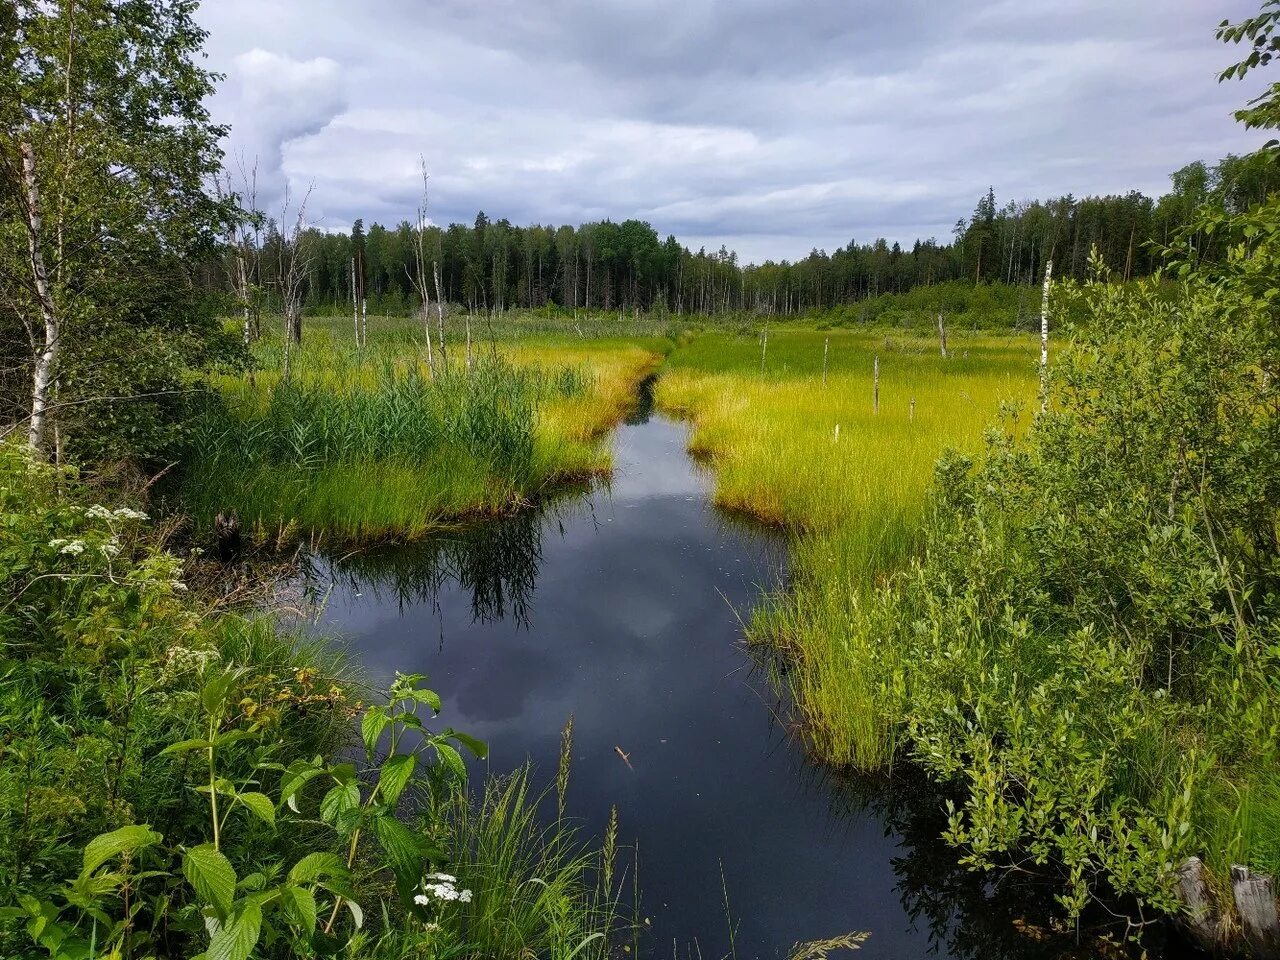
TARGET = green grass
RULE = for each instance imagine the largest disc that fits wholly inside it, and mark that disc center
(855, 499)
(376, 443)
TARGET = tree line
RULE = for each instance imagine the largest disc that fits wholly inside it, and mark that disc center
(493, 265)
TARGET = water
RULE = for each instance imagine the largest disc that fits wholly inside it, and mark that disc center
(622, 607)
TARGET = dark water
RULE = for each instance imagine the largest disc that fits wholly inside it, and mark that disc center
(622, 608)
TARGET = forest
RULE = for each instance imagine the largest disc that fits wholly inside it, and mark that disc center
(492, 265)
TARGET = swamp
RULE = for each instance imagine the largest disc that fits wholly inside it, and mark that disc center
(475, 590)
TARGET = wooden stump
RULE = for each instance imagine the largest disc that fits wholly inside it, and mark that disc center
(226, 535)
(1255, 898)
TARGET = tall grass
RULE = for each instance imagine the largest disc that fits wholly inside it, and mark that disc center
(809, 452)
(371, 443)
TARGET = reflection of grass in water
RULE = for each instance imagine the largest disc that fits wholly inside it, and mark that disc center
(856, 498)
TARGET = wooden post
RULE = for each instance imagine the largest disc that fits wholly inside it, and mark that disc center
(364, 322)
(942, 335)
(875, 385)
(826, 345)
(764, 347)
(1044, 338)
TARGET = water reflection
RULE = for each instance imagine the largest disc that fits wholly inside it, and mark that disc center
(624, 609)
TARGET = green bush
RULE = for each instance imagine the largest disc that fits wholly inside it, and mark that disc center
(1088, 651)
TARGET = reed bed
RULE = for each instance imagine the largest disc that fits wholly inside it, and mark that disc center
(373, 443)
(813, 453)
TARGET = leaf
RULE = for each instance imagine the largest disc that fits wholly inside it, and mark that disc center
(124, 840)
(236, 940)
(395, 776)
(316, 865)
(212, 876)
(429, 697)
(300, 907)
(451, 758)
(217, 690)
(375, 720)
(260, 806)
(401, 844)
(357, 915)
(341, 799)
(184, 745)
(479, 749)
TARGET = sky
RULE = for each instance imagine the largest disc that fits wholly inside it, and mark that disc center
(772, 128)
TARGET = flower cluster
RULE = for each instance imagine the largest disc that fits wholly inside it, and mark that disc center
(443, 887)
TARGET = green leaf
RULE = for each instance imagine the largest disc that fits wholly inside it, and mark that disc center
(236, 940)
(343, 798)
(184, 745)
(124, 840)
(260, 806)
(403, 847)
(395, 776)
(316, 865)
(216, 692)
(375, 720)
(479, 749)
(451, 758)
(212, 876)
(300, 907)
(429, 697)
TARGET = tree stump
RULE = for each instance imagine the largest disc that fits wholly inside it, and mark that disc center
(1259, 914)
(226, 536)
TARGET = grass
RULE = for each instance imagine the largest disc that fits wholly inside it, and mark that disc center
(372, 444)
(850, 481)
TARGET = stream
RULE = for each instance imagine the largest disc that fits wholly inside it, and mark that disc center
(623, 606)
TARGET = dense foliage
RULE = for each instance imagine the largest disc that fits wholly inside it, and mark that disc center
(1088, 650)
(98, 233)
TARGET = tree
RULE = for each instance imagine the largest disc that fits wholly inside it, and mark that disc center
(107, 155)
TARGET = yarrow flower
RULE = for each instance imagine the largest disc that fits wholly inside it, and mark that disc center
(98, 512)
(421, 899)
(73, 547)
(444, 888)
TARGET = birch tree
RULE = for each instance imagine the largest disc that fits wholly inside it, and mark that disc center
(107, 160)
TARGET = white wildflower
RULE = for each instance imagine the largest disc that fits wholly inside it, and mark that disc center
(421, 899)
(73, 548)
(110, 548)
(178, 585)
(124, 513)
(464, 896)
(58, 542)
(98, 512)
(446, 877)
(431, 927)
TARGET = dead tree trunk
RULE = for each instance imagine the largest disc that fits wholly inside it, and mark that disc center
(875, 385)
(435, 272)
(47, 359)
(942, 335)
(1044, 338)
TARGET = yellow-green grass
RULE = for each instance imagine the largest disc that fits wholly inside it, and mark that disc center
(853, 498)
(585, 389)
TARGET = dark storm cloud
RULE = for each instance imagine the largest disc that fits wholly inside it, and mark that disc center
(769, 127)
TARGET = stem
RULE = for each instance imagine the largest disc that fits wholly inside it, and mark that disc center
(213, 793)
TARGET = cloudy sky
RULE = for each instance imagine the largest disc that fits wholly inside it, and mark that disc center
(771, 126)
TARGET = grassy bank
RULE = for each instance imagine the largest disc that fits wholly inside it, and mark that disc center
(358, 444)
(820, 458)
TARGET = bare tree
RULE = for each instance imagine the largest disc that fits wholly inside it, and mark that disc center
(419, 276)
(294, 265)
(244, 246)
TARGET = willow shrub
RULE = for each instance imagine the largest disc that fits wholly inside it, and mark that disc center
(1089, 649)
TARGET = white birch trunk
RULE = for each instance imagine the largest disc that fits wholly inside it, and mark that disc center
(875, 385)
(46, 360)
(1044, 338)
(942, 335)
